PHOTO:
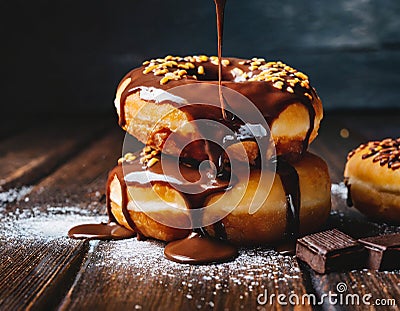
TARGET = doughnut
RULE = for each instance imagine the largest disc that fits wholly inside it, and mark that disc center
(372, 175)
(136, 206)
(282, 94)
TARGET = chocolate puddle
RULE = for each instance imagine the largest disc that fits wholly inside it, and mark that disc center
(199, 249)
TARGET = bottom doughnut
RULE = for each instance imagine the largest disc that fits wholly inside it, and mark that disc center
(269, 224)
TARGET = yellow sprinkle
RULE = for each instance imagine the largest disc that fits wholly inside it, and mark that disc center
(203, 58)
(182, 72)
(289, 89)
(146, 63)
(160, 72)
(183, 66)
(200, 70)
(304, 84)
(151, 162)
(278, 85)
(225, 62)
(164, 80)
(301, 75)
(149, 69)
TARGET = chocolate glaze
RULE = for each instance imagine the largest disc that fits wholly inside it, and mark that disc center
(119, 174)
(110, 230)
(220, 231)
(349, 200)
(291, 186)
(231, 132)
(198, 249)
(385, 152)
(103, 231)
(220, 12)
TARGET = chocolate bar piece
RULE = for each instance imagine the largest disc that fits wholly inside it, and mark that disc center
(383, 251)
(330, 250)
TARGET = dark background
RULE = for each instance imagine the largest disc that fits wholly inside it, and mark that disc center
(67, 57)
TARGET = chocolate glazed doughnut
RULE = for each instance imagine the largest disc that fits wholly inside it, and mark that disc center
(282, 94)
(284, 214)
(372, 176)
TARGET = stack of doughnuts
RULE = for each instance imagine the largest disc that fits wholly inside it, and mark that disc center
(298, 199)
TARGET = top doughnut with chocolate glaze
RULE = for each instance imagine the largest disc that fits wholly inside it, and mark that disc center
(282, 94)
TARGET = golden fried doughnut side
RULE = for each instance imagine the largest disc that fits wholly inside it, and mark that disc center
(152, 123)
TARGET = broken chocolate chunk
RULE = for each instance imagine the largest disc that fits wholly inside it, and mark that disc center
(383, 251)
(330, 250)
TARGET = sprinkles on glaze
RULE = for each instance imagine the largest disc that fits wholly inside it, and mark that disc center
(385, 152)
(281, 75)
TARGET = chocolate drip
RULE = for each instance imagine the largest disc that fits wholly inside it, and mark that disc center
(220, 231)
(119, 174)
(349, 200)
(110, 230)
(111, 217)
(220, 11)
(311, 115)
(291, 186)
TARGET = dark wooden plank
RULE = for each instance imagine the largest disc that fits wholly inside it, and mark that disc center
(134, 275)
(30, 270)
(81, 181)
(41, 261)
(36, 152)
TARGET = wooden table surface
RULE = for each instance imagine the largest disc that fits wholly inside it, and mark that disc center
(52, 177)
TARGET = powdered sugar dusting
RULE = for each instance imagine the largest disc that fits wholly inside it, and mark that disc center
(35, 223)
(13, 195)
(339, 190)
(195, 287)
